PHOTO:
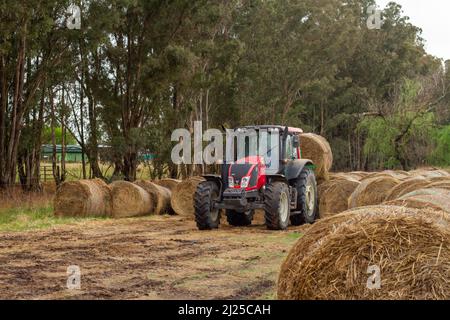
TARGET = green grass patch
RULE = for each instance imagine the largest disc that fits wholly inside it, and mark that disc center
(33, 218)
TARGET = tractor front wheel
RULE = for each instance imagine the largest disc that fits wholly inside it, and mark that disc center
(307, 201)
(277, 206)
(206, 216)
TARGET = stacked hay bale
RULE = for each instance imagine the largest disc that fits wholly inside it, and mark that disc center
(159, 195)
(372, 191)
(406, 187)
(430, 173)
(183, 196)
(436, 198)
(130, 200)
(83, 198)
(440, 185)
(168, 183)
(411, 247)
(334, 195)
(317, 149)
(399, 175)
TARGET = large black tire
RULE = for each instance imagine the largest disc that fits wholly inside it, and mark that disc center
(307, 179)
(206, 217)
(277, 206)
(240, 219)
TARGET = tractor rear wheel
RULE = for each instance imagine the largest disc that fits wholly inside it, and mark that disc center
(307, 199)
(277, 206)
(206, 216)
(240, 219)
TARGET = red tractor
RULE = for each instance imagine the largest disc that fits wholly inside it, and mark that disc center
(285, 190)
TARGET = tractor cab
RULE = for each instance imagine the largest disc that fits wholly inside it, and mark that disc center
(253, 152)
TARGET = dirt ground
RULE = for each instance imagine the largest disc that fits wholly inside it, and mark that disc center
(147, 258)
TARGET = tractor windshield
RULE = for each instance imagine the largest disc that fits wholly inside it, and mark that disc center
(245, 145)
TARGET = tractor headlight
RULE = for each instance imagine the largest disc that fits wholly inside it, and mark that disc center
(231, 182)
(244, 182)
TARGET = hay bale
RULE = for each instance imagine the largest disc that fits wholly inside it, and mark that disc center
(411, 247)
(160, 196)
(83, 198)
(372, 191)
(435, 198)
(399, 175)
(334, 195)
(317, 149)
(439, 179)
(168, 183)
(440, 185)
(405, 187)
(359, 174)
(130, 200)
(345, 175)
(430, 173)
(183, 196)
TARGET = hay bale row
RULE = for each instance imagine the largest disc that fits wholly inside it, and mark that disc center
(410, 246)
(120, 199)
(317, 149)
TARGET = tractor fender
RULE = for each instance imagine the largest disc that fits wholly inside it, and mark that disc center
(295, 167)
(217, 179)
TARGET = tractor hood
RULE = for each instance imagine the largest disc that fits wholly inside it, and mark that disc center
(246, 173)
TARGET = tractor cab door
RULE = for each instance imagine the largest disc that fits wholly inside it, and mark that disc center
(292, 147)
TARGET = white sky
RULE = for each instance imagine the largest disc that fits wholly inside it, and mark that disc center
(433, 17)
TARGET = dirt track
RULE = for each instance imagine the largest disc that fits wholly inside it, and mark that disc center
(148, 258)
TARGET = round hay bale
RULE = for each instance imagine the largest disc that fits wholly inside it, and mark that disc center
(411, 247)
(168, 183)
(345, 175)
(312, 238)
(334, 196)
(436, 198)
(317, 149)
(183, 196)
(439, 179)
(440, 185)
(160, 196)
(83, 198)
(430, 173)
(406, 187)
(360, 174)
(399, 175)
(372, 191)
(130, 200)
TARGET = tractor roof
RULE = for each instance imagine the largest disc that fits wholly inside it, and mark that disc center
(266, 127)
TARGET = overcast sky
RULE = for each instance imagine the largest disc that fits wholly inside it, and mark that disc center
(433, 17)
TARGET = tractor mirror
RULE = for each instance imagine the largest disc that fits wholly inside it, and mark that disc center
(296, 141)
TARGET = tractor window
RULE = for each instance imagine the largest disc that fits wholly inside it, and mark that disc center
(291, 152)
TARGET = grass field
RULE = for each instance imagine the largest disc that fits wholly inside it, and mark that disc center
(20, 212)
(154, 257)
